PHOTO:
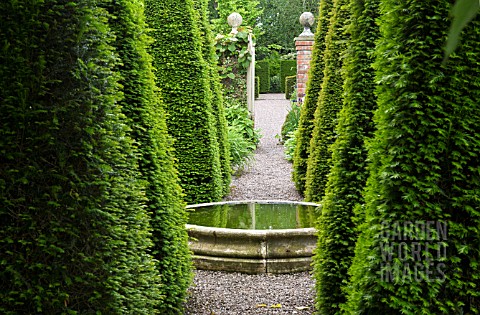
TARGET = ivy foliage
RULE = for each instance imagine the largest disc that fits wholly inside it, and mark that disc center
(183, 76)
(336, 225)
(330, 101)
(218, 107)
(75, 234)
(145, 112)
(314, 82)
(425, 167)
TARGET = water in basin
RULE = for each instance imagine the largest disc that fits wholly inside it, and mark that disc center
(254, 216)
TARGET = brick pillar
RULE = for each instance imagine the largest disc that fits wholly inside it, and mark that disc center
(304, 46)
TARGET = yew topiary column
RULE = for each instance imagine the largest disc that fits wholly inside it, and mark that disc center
(74, 232)
(218, 108)
(419, 249)
(183, 78)
(337, 225)
(145, 114)
(330, 101)
(315, 78)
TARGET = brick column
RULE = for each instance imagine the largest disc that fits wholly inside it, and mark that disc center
(304, 46)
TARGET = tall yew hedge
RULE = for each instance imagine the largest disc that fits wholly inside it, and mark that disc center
(314, 82)
(347, 178)
(218, 108)
(74, 233)
(330, 101)
(145, 114)
(183, 77)
(425, 170)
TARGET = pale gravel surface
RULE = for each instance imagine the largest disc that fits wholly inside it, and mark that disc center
(269, 177)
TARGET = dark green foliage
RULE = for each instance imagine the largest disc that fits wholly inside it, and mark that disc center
(330, 101)
(336, 226)
(216, 88)
(182, 75)
(287, 68)
(315, 78)
(146, 116)
(425, 160)
(257, 87)
(74, 234)
(290, 83)
(262, 69)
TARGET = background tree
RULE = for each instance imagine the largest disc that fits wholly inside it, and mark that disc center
(336, 225)
(425, 162)
(330, 101)
(279, 22)
(182, 75)
(221, 9)
(145, 114)
(314, 83)
(74, 235)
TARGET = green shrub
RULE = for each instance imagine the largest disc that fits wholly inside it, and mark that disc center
(336, 225)
(275, 84)
(182, 74)
(288, 68)
(217, 103)
(424, 168)
(146, 116)
(291, 120)
(257, 87)
(314, 82)
(290, 84)
(74, 233)
(330, 101)
(262, 69)
(290, 145)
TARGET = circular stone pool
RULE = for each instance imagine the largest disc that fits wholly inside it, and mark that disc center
(253, 236)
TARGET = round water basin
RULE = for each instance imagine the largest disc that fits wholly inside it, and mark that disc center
(253, 236)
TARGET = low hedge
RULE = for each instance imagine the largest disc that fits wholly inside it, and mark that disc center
(262, 69)
(290, 83)
(287, 68)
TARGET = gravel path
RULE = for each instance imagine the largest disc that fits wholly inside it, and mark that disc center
(269, 177)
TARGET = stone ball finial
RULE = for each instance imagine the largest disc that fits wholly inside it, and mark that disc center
(307, 19)
(234, 20)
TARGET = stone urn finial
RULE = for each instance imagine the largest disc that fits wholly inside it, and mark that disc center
(234, 20)
(307, 19)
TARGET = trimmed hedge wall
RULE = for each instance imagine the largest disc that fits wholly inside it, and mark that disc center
(262, 69)
(182, 74)
(287, 68)
(330, 101)
(336, 225)
(425, 160)
(146, 116)
(257, 87)
(216, 87)
(74, 233)
(314, 82)
(290, 84)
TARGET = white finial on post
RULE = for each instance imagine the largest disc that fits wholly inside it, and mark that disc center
(234, 20)
(307, 19)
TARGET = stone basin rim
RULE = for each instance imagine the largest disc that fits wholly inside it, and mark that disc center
(206, 229)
